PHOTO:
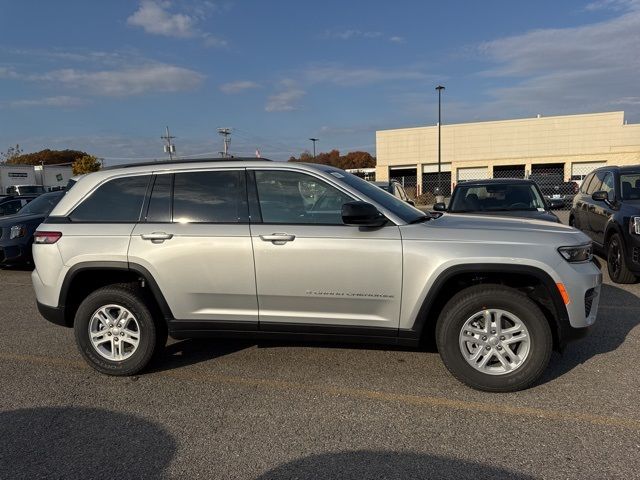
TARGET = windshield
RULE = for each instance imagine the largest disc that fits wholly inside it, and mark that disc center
(495, 198)
(41, 205)
(630, 186)
(398, 207)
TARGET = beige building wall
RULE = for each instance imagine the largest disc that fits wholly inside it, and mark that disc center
(567, 139)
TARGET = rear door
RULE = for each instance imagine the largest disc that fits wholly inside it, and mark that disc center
(311, 269)
(195, 241)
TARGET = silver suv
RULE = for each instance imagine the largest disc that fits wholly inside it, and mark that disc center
(253, 248)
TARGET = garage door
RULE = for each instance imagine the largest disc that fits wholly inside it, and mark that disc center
(473, 173)
(579, 170)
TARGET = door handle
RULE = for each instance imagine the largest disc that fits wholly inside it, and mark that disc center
(157, 237)
(278, 238)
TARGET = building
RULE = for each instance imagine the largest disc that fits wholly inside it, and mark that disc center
(568, 145)
(51, 177)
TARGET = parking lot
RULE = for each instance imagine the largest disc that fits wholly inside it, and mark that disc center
(224, 409)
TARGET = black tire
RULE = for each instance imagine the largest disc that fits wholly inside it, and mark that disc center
(152, 335)
(616, 263)
(471, 300)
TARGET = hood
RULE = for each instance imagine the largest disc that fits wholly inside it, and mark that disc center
(495, 229)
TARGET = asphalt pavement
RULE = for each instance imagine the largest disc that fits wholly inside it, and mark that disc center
(239, 410)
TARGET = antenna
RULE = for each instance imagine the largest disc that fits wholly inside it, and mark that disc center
(226, 134)
(169, 148)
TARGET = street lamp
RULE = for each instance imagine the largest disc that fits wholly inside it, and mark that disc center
(439, 88)
(314, 140)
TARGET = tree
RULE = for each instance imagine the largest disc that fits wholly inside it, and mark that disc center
(47, 157)
(350, 160)
(86, 164)
(10, 154)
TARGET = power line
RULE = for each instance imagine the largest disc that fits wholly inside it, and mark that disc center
(169, 147)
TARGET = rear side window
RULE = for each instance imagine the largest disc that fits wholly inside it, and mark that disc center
(117, 201)
(210, 197)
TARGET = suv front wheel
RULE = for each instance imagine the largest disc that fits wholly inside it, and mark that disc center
(115, 331)
(494, 338)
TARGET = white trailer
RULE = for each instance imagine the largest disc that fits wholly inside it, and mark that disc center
(53, 176)
(11, 175)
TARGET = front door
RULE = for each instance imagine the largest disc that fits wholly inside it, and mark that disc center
(195, 241)
(313, 269)
(600, 213)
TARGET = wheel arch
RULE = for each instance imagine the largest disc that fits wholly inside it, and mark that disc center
(85, 277)
(533, 281)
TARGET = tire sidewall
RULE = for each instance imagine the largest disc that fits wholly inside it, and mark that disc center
(615, 238)
(463, 307)
(147, 344)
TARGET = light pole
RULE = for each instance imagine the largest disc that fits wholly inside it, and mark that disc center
(314, 140)
(439, 88)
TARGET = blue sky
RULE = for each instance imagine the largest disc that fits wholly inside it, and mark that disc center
(106, 77)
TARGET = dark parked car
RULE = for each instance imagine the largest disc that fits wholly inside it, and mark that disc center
(396, 189)
(607, 209)
(16, 231)
(556, 192)
(10, 205)
(511, 197)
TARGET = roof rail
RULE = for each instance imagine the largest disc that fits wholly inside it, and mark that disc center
(186, 160)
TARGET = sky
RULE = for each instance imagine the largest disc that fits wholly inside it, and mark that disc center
(107, 77)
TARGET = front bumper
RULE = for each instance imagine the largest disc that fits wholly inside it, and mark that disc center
(583, 283)
(53, 314)
(14, 252)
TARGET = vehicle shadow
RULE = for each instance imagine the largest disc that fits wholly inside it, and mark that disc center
(618, 314)
(82, 443)
(370, 464)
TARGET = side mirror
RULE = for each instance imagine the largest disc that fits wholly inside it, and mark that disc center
(362, 214)
(411, 202)
(600, 196)
(440, 207)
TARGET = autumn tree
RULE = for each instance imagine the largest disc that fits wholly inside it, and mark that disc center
(86, 164)
(350, 160)
(10, 154)
(47, 157)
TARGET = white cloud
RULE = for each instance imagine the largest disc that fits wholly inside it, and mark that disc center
(351, 34)
(57, 101)
(285, 101)
(352, 77)
(396, 39)
(562, 70)
(132, 80)
(154, 17)
(8, 72)
(613, 5)
(238, 87)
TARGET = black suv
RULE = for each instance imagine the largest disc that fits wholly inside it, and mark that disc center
(607, 208)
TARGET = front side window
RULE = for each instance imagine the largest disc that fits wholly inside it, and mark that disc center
(298, 198)
(607, 185)
(117, 201)
(595, 184)
(630, 186)
(585, 184)
(210, 197)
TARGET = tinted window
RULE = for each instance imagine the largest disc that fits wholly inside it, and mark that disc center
(160, 202)
(297, 198)
(210, 197)
(9, 208)
(496, 197)
(630, 184)
(117, 201)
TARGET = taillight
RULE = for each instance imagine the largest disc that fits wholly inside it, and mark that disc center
(46, 237)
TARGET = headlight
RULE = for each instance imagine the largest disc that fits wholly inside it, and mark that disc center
(634, 225)
(17, 231)
(580, 253)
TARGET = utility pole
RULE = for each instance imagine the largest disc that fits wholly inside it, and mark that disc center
(169, 148)
(439, 88)
(314, 140)
(226, 134)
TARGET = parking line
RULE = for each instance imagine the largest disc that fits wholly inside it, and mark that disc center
(497, 408)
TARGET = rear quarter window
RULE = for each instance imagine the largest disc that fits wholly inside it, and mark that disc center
(117, 201)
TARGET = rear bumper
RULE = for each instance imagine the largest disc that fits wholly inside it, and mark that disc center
(13, 253)
(53, 314)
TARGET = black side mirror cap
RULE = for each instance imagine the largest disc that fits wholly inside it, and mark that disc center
(600, 196)
(362, 214)
(440, 207)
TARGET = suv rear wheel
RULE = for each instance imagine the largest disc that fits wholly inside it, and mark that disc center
(494, 338)
(115, 331)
